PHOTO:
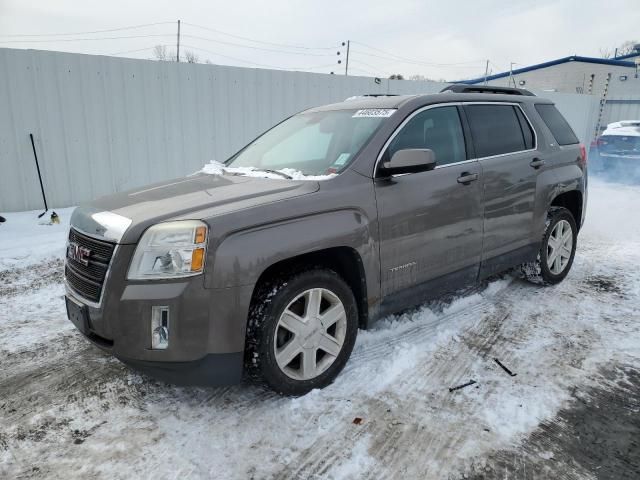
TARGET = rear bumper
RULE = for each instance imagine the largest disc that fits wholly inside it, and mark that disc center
(621, 162)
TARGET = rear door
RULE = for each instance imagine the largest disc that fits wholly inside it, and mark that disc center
(430, 222)
(505, 144)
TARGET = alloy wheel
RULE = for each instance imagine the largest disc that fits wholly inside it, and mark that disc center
(310, 334)
(559, 247)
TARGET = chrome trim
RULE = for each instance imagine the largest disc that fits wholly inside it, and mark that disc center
(115, 224)
(77, 295)
(515, 104)
(456, 163)
(469, 160)
(401, 126)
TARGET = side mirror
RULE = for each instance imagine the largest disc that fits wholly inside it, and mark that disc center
(410, 160)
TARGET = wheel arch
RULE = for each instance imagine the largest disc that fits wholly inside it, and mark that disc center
(344, 260)
(572, 200)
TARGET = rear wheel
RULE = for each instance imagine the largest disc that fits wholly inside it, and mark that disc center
(301, 331)
(557, 250)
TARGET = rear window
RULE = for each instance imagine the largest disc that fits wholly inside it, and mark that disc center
(620, 144)
(560, 128)
(496, 130)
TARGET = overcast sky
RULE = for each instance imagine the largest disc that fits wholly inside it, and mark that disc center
(438, 39)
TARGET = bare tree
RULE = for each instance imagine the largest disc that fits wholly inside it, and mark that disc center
(191, 57)
(421, 78)
(160, 53)
(606, 52)
(624, 49)
(627, 47)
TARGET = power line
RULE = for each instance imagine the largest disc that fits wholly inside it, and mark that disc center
(87, 39)
(84, 33)
(274, 67)
(265, 49)
(406, 62)
(371, 66)
(257, 41)
(393, 56)
(138, 50)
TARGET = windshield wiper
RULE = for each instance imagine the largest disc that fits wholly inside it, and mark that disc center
(268, 170)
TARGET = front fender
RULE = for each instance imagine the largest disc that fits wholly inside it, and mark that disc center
(243, 256)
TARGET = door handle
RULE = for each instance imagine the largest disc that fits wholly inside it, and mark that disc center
(537, 163)
(466, 178)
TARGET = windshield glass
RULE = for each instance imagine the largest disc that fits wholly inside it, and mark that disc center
(313, 144)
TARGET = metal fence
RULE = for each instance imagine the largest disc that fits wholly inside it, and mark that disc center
(104, 124)
(620, 108)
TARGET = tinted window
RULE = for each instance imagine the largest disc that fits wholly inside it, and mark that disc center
(495, 129)
(527, 131)
(559, 127)
(438, 129)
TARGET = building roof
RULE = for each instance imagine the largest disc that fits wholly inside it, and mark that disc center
(573, 58)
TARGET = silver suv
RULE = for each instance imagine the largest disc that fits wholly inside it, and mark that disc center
(369, 206)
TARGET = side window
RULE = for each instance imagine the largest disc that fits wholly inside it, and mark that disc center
(436, 128)
(527, 131)
(559, 127)
(495, 129)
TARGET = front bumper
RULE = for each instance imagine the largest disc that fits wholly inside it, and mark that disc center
(207, 326)
(214, 370)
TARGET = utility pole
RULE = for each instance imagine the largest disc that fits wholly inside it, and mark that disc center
(486, 72)
(178, 44)
(346, 67)
(511, 79)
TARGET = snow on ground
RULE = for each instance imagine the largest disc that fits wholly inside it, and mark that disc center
(68, 410)
(27, 240)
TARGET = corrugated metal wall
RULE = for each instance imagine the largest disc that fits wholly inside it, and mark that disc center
(621, 108)
(106, 124)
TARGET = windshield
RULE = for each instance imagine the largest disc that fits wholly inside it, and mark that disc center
(313, 144)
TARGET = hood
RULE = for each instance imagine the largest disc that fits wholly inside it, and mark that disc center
(122, 217)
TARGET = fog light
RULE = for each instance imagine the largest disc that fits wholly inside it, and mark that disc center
(159, 328)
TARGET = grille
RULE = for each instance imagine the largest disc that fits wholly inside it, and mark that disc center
(88, 280)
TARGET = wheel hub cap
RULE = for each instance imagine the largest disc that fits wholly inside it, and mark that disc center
(310, 334)
(559, 247)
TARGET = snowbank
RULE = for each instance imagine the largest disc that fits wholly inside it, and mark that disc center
(26, 239)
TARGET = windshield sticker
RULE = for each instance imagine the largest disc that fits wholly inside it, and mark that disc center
(342, 159)
(374, 113)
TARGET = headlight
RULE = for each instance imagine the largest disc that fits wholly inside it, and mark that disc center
(170, 250)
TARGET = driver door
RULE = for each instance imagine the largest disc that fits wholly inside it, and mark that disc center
(430, 223)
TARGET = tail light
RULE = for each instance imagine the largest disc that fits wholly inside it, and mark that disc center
(583, 156)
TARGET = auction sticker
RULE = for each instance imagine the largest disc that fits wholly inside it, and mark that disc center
(374, 113)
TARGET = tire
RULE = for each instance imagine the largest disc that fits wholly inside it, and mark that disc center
(542, 271)
(283, 320)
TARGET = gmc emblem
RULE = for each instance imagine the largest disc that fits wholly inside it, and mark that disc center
(78, 253)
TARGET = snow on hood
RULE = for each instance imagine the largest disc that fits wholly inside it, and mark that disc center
(217, 168)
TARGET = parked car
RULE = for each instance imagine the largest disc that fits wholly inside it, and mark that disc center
(617, 150)
(378, 204)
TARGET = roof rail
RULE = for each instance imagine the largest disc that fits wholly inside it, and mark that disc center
(463, 88)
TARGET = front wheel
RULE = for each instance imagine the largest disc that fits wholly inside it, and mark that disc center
(557, 250)
(301, 331)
